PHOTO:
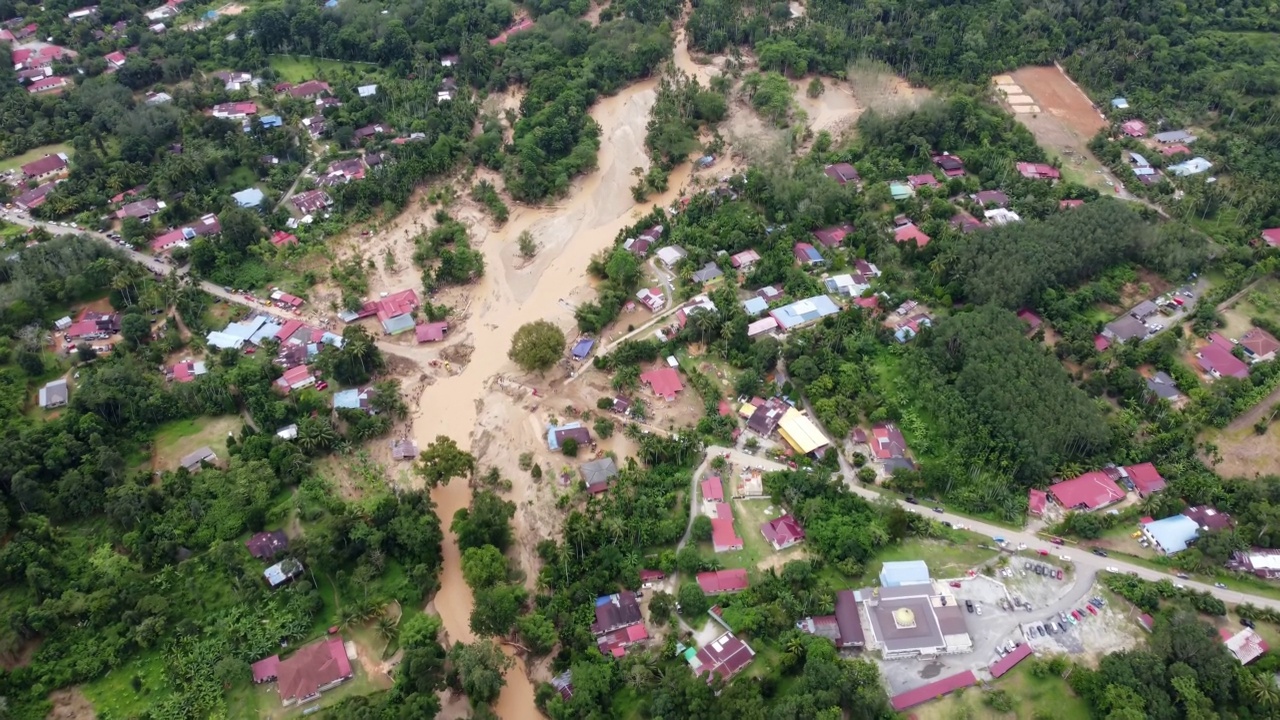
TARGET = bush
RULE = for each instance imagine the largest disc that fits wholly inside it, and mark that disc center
(701, 531)
(569, 447)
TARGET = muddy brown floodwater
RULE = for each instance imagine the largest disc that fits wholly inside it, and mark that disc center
(598, 207)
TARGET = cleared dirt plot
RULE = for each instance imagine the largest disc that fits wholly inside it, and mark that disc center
(1058, 113)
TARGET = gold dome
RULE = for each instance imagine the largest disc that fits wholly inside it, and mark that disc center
(904, 618)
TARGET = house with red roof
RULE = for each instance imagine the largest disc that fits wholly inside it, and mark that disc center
(49, 84)
(1038, 171)
(281, 238)
(782, 532)
(807, 254)
(652, 298)
(1145, 478)
(1006, 663)
(296, 378)
(616, 643)
(724, 657)
(1092, 490)
(1216, 359)
(745, 260)
(431, 332)
(911, 233)
(234, 110)
(1271, 236)
(115, 60)
(843, 173)
(834, 235)
(311, 670)
(649, 577)
(1246, 645)
(187, 371)
(724, 536)
(1175, 149)
(718, 582)
(1134, 128)
(712, 490)
(34, 198)
(1032, 320)
(886, 442)
(1037, 501)
(1259, 345)
(919, 181)
(933, 690)
(1069, 204)
(664, 381)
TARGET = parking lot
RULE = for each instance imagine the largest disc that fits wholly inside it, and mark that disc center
(1106, 629)
(998, 624)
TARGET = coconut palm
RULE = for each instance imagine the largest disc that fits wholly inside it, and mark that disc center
(388, 628)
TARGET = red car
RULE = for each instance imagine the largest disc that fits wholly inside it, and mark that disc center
(1056, 541)
(1075, 614)
(250, 350)
(1043, 552)
(955, 584)
(322, 385)
(1059, 574)
(1092, 610)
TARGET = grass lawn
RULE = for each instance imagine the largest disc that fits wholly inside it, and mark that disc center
(239, 179)
(1030, 694)
(263, 701)
(747, 518)
(113, 695)
(945, 558)
(33, 155)
(1261, 301)
(177, 438)
(295, 68)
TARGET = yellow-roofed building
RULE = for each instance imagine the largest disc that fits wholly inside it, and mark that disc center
(747, 410)
(800, 433)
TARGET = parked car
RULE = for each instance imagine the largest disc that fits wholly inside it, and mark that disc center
(979, 610)
(1075, 614)
(1026, 565)
(968, 605)
(1219, 585)
(938, 510)
(1091, 609)
(1043, 553)
(1049, 626)
(1113, 569)
(1247, 623)
(1099, 552)
(912, 500)
(1056, 541)
(322, 385)
(1059, 574)
(1062, 626)
(955, 584)
(1040, 629)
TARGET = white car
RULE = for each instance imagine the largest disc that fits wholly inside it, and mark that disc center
(1113, 569)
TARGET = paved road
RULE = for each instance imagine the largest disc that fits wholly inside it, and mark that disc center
(152, 264)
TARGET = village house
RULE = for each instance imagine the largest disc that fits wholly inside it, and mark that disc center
(47, 167)
(266, 545)
(639, 245)
(33, 199)
(1271, 236)
(1134, 128)
(722, 658)
(745, 260)
(355, 399)
(1262, 562)
(803, 312)
(1163, 386)
(296, 378)
(652, 298)
(671, 255)
(910, 233)
(49, 84)
(54, 394)
(598, 475)
(619, 624)
(557, 434)
(282, 572)
(186, 371)
(782, 532)
(1038, 171)
(404, 450)
(720, 582)
(847, 284)
(664, 381)
(141, 209)
(844, 628)
(197, 459)
(234, 110)
(1259, 345)
(951, 165)
(708, 273)
(842, 173)
(806, 254)
(833, 236)
(1217, 360)
(1245, 646)
(311, 201)
(309, 90)
(990, 198)
(921, 181)
(308, 672)
(368, 132)
(1090, 491)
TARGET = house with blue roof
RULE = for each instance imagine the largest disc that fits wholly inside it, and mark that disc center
(271, 121)
(1171, 535)
(755, 305)
(803, 312)
(905, 572)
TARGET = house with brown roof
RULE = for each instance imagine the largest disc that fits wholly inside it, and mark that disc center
(140, 209)
(266, 545)
(47, 167)
(309, 89)
(1259, 345)
(925, 180)
(311, 201)
(951, 165)
(616, 611)
(843, 173)
(1038, 171)
(308, 672)
(834, 235)
(717, 582)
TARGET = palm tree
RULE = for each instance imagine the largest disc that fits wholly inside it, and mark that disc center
(387, 628)
(1262, 688)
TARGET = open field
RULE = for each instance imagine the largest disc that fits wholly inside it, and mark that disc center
(1030, 695)
(296, 68)
(756, 552)
(113, 695)
(34, 154)
(1059, 114)
(1244, 452)
(1260, 301)
(175, 439)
